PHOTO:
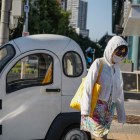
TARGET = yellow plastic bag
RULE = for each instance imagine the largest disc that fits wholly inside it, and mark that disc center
(75, 103)
(95, 93)
(48, 76)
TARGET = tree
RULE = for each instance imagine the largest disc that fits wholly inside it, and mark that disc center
(103, 42)
(47, 17)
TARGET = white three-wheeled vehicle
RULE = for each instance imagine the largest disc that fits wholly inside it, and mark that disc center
(39, 76)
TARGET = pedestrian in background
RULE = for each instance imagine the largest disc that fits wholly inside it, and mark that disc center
(111, 94)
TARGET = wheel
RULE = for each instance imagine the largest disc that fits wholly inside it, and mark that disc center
(74, 133)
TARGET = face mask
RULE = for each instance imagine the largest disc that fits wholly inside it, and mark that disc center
(116, 59)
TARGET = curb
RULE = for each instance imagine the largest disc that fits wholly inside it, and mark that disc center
(132, 95)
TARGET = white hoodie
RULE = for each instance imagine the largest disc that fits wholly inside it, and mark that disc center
(106, 80)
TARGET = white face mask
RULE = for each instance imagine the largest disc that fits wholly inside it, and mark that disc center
(116, 58)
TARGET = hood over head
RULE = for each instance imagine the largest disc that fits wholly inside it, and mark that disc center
(113, 43)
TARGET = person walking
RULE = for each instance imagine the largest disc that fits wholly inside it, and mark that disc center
(111, 94)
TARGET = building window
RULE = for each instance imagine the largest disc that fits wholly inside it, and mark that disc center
(72, 64)
(32, 70)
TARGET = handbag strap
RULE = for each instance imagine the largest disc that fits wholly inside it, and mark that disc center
(100, 70)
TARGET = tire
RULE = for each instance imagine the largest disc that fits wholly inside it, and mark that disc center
(73, 132)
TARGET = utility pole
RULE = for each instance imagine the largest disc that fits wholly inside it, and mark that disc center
(4, 25)
(25, 33)
(25, 26)
(93, 55)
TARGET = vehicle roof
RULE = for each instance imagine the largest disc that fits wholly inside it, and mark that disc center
(54, 43)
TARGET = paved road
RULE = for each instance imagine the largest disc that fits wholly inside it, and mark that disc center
(132, 125)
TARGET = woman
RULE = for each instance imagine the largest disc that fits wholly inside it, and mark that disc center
(111, 94)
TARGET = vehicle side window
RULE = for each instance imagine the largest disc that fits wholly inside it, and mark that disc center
(6, 54)
(32, 70)
(72, 64)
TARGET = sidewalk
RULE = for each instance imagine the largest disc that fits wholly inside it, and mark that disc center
(129, 130)
(119, 136)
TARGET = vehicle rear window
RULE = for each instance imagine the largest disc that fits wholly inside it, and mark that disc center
(72, 64)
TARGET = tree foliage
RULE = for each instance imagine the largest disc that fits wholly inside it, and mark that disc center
(103, 42)
(47, 17)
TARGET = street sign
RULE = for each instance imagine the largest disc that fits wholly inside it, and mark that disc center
(26, 8)
(25, 34)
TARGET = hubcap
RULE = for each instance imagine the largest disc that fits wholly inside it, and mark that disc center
(75, 134)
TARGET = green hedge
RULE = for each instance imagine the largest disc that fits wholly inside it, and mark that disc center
(15, 70)
(18, 70)
(18, 65)
(127, 61)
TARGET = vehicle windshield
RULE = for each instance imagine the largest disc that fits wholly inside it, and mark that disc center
(6, 54)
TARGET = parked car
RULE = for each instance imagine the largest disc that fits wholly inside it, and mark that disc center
(35, 100)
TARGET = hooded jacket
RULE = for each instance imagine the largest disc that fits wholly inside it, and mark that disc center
(107, 79)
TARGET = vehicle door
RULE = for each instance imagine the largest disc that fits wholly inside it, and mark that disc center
(31, 95)
(74, 69)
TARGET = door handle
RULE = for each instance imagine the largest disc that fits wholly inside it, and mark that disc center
(52, 90)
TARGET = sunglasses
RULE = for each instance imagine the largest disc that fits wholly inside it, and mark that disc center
(119, 51)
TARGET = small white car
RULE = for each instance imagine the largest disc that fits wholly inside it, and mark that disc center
(39, 75)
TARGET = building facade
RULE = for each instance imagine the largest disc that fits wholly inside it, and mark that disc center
(64, 4)
(126, 22)
(83, 21)
(74, 8)
(78, 19)
(59, 1)
(84, 33)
